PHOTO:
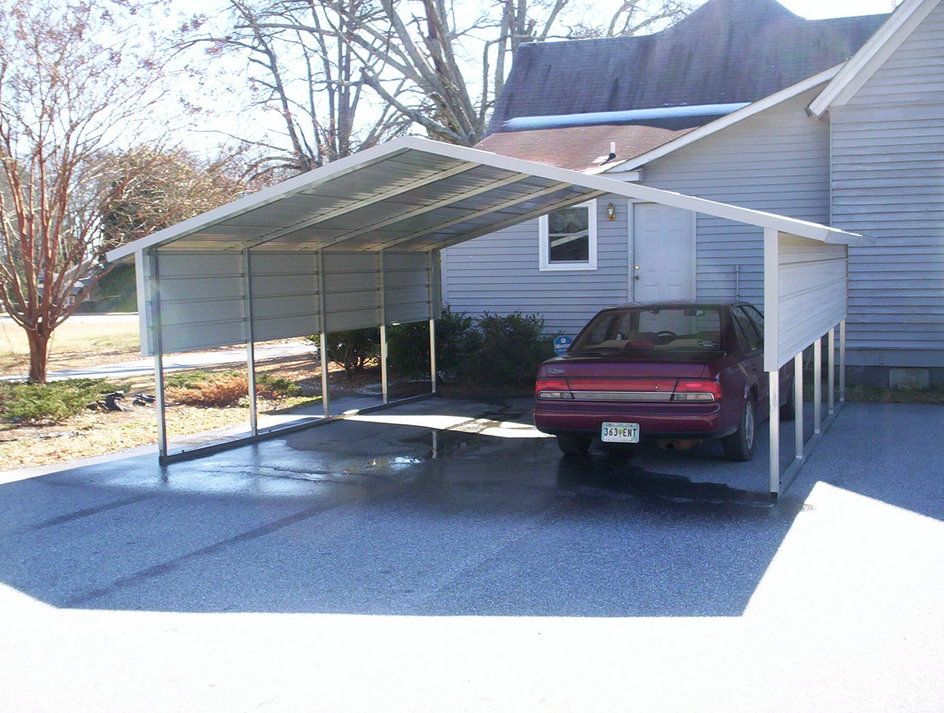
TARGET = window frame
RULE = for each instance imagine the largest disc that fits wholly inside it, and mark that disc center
(544, 262)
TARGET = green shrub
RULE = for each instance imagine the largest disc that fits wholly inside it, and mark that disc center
(408, 349)
(55, 401)
(457, 341)
(272, 387)
(187, 379)
(512, 346)
(353, 350)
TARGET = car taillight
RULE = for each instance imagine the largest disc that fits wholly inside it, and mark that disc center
(703, 390)
(552, 389)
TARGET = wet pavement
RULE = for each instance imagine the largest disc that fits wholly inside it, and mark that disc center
(443, 555)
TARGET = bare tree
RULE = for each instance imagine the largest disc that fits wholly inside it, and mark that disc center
(163, 187)
(64, 97)
(418, 54)
(304, 70)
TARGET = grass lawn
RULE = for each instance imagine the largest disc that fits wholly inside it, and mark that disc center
(95, 433)
(80, 341)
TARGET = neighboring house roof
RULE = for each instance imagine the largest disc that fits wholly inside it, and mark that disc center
(579, 148)
(632, 162)
(726, 51)
(873, 54)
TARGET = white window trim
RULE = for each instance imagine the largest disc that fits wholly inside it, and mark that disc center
(544, 258)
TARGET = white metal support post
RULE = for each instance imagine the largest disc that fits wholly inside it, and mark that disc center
(774, 426)
(323, 339)
(818, 386)
(798, 406)
(250, 343)
(430, 274)
(832, 371)
(842, 362)
(154, 308)
(381, 295)
(772, 347)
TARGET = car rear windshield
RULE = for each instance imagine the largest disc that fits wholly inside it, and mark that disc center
(676, 329)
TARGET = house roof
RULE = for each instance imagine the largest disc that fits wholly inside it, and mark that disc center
(726, 51)
(579, 148)
(685, 138)
(873, 54)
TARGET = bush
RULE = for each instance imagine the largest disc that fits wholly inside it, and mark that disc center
(457, 341)
(352, 350)
(55, 401)
(198, 388)
(408, 349)
(219, 390)
(274, 387)
(512, 346)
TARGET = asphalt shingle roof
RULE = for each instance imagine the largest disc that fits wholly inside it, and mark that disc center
(726, 51)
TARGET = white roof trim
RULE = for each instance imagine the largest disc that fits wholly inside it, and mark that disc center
(873, 54)
(604, 184)
(726, 121)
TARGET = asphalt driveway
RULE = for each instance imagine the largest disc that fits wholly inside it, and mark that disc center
(444, 556)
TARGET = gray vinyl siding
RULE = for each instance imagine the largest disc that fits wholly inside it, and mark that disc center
(500, 273)
(888, 183)
(775, 161)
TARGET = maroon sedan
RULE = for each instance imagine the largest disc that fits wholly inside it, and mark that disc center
(676, 373)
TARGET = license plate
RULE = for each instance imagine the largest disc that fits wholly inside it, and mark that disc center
(620, 433)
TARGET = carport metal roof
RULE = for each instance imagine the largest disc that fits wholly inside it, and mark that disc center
(418, 194)
(413, 197)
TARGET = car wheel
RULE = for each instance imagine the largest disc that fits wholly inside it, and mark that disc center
(788, 409)
(739, 446)
(573, 445)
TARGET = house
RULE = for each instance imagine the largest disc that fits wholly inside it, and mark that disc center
(834, 121)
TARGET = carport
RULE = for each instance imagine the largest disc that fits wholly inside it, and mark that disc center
(355, 244)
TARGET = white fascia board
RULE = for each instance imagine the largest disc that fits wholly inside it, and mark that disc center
(260, 198)
(872, 55)
(724, 122)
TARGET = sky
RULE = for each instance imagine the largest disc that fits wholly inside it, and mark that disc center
(817, 9)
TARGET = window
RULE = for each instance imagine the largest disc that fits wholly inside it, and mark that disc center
(569, 238)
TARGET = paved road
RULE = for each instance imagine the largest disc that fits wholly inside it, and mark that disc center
(443, 556)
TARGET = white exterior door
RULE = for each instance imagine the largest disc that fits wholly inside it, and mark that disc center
(663, 254)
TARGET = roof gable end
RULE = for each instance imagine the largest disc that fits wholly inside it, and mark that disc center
(873, 54)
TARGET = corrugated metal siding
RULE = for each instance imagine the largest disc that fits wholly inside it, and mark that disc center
(285, 299)
(888, 183)
(499, 273)
(812, 292)
(203, 295)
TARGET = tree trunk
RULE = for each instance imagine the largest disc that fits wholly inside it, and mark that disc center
(39, 355)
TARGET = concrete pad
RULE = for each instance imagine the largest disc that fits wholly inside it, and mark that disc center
(454, 560)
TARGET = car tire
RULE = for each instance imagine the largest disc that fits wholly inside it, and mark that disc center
(788, 409)
(573, 445)
(739, 446)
